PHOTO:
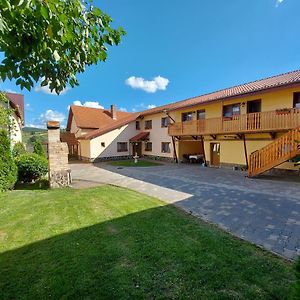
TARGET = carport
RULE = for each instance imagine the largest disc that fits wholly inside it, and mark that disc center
(190, 148)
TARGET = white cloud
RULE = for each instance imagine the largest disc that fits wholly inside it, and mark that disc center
(28, 107)
(142, 106)
(149, 86)
(93, 104)
(36, 126)
(151, 106)
(11, 91)
(49, 115)
(52, 115)
(278, 2)
(123, 109)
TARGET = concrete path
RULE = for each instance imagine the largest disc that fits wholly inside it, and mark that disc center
(264, 211)
(92, 174)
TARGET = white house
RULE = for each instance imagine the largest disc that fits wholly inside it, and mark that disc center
(16, 102)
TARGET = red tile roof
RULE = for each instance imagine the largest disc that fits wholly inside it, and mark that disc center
(142, 136)
(69, 138)
(17, 102)
(93, 118)
(283, 80)
(109, 127)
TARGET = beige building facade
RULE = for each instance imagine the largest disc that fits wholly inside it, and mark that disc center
(254, 126)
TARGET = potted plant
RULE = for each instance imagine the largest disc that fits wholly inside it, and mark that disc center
(283, 111)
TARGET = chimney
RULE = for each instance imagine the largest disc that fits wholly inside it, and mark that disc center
(113, 112)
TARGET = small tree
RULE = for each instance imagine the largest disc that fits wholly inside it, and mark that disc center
(18, 149)
(31, 167)
(8, 169)
(38, 148)
(51, 41)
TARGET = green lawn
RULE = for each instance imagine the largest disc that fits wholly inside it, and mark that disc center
(113, 243)
(131, 163)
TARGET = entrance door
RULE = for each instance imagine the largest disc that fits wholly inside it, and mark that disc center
(215, 154)
(137, 149)
(253, 117)
(253, 106)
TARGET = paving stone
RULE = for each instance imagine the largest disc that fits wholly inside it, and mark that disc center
(265, 211)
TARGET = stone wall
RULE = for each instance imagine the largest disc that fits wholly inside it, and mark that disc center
(59, 170)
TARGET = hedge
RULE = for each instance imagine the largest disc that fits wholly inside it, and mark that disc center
(31, 167)
(8, 169)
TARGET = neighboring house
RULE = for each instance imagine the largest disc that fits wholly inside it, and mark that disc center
(253, 124)
(16, 102)
(108, 134)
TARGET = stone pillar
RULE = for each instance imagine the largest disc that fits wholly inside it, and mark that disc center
(59, 170)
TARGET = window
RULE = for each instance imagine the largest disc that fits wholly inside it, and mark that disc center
(148, 124)
(188, 116)
(137, 125)
(148, 146)
(165, 147)
(102, 144)
(201, 114)
(297, 100)
(165, 122)
(231, 110)
(122, 147)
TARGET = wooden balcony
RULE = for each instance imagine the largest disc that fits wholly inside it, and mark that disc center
(270, 121)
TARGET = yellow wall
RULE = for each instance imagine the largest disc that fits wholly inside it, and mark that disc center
(269, 101)
(232, 151)
(85, 148)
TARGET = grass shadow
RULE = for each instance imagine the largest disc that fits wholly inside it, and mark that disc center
(42, 184)
(157, 253)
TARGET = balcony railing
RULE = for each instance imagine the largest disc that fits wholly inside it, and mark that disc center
(270, 121)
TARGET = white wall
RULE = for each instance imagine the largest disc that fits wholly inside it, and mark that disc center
(122, 134)
(78, 131)
(16, 133)
(157, 136)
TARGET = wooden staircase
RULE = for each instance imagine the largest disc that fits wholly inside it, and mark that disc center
(282, 149)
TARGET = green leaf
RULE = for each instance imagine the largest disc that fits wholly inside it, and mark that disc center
(44, 12)
(49, 31)
(56, 55)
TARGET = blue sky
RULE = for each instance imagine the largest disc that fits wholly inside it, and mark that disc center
(178, 49)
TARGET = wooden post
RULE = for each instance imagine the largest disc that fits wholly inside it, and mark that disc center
(245, 149)
(204, 156)
(174, 148)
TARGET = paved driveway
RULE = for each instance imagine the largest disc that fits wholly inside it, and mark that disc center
(265, 211)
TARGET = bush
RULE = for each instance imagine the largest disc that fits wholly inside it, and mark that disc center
(31, 167)
(38, 148)
(296, 290)
(8, 169)
(18, 149)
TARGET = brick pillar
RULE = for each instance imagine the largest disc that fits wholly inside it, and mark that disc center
(113, 111)
(59, 170)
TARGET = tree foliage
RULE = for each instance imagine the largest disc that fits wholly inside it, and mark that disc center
(8, 169)
(38, 148)
(31, 167)
(5, 112)
(52, 40)
(18, 149)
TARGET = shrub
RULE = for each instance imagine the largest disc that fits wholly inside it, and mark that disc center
(18, 149)
(8, 169)
(31, 167)
(38, 148)
(296, 290)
